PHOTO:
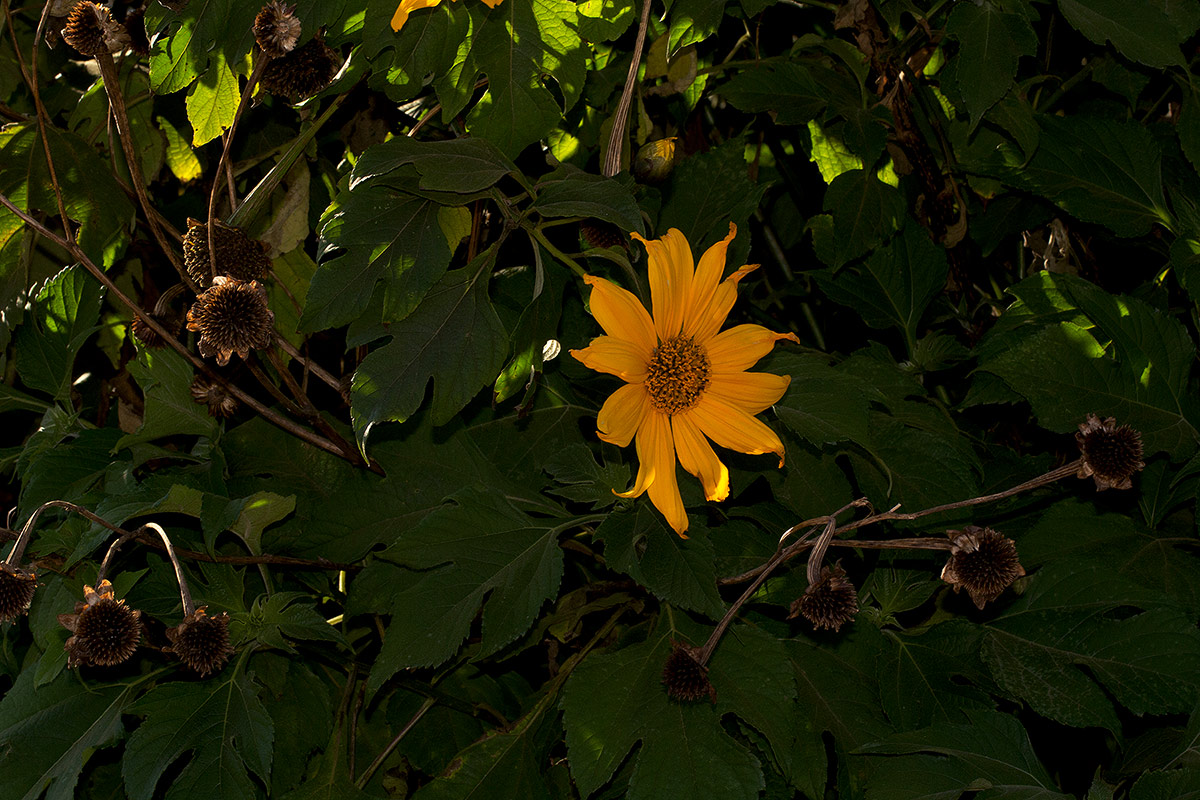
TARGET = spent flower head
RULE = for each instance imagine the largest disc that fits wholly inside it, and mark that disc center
(105, 630)
(231, 316)
(831, 602)
(983, 562)
(16, 591)
(201, 642)
(685, 677)
(1111, 454)
(686, 380)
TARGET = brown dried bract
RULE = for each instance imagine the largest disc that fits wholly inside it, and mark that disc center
(983, 562)
(231, 317)
(1111, 454)
(831, 602)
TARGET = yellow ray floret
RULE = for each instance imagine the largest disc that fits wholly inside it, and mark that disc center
(406, 7)
(685, 380)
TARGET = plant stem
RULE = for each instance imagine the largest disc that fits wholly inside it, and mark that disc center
(616, 136)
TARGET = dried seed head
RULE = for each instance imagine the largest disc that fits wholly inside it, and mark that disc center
(201, 642)
(238, 256)
(303, 72)
(106, 631)
(231, 317)
(983, 562)
(91, 30)
(1110, 454)
(276, 29)
(598, 233)
(16, 591)
(685, 677)
(148, 336)
(220, 403)
(831, 602)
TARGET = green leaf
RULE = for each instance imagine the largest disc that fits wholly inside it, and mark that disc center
(1097, 169)
(570, 192)
(895, 285)
(165, 378)
(585, 481)
(283, 614)
(1048, 347)
(794, 93)
(301, 704)
(204, 31)
(425, 46)
(1039, 651)
(220, 722)
(1142, 31)
(822, 404)
(462, 166)
(518, 45)
(991, 757)
(604, 20)
(537, 325)
(455, 338)
(388, 236)
(990, 44)
(65, 315)
(1175, 784)
(48, 733)
(692, 21)
(934, 677)
(480, 547)
(865, 212)
(680, 571)
(91, 194)
(212, 102)
(614, 700)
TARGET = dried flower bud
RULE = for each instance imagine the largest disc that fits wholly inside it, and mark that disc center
(655, 160)
(1110, 454)
(238, 256)
(220, 402)
(685, 677)
(148, 336)
(231, 317)
(983, 562)
(831, 602)
(106, 631)
(276, 29)
(303, 72)
(201, 642)
(91, 30)
(598, 233)
(16, 591)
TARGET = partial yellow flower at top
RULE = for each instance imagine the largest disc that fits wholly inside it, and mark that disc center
(406, 7)
(685, 378)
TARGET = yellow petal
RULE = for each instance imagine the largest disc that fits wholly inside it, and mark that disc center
(697, 457)
(750, 391)
(704, 285)
(622, 414)
(645, 450)
(709, 320)
(492, 3)
(406, 7)
(671, 269)
(621, 314)
(615, 356)
(664, 489)
(731, 427)
(740, 347)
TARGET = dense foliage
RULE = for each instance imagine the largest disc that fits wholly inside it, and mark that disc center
(409, 572)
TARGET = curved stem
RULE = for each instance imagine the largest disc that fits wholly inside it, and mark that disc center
(616, 136)
(185, 595)
(102, 573)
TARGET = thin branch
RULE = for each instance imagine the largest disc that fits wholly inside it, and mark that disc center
(269, 415)
(616, 136)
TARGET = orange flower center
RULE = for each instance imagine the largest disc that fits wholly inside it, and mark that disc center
(677, 375)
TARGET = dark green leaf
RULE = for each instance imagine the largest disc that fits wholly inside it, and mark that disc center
(990, 44)
(455, 338)
(569, 192)
(455, 165)
(584, 480)
(794, 93)
(281, 615)
(1141, 31)
(65, 315)
(220, 722)
(865, 212)
(165, 378)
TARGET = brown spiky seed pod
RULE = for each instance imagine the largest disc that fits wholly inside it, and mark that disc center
(276, 29)
(231, 316)
(201, 642)
(831, 602)
(1110, 454)
(303, 72)
(16, 591)
(106, 631)
(148, 336)
(685, 677)
(237, 255)
(91, 30)
(220, 402)
(983, 562)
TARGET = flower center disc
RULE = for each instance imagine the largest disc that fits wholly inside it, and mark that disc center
(677, 375)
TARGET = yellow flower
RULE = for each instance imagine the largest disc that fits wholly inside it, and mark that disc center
(406, 7)
(684, 380)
